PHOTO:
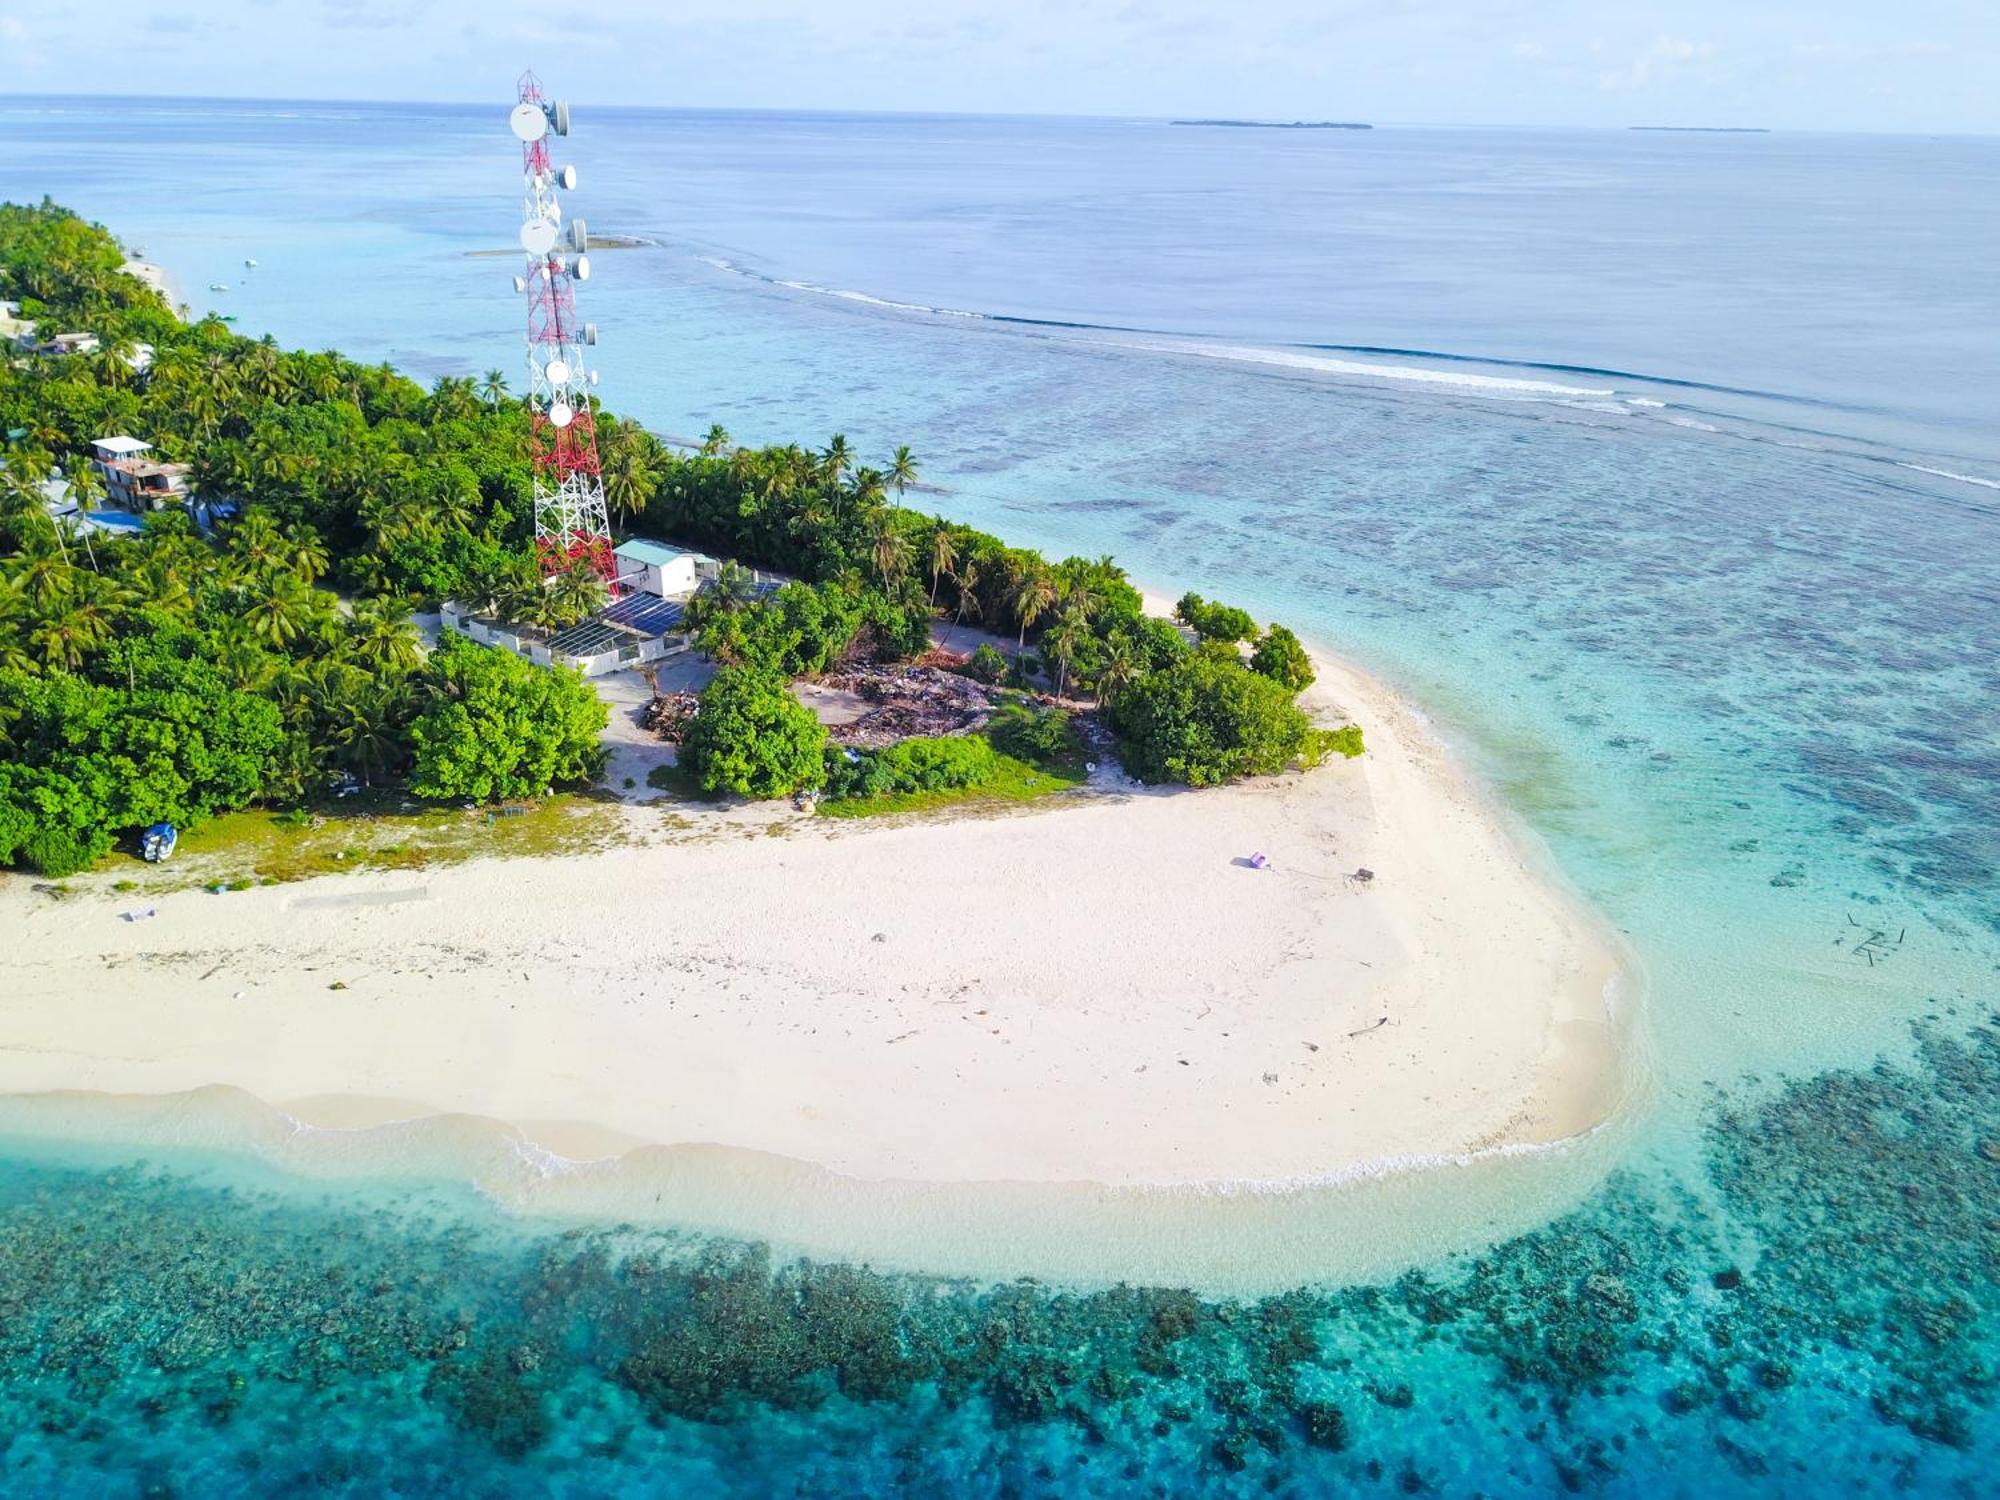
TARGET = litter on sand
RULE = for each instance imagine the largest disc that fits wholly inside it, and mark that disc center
(1258, 862)
(137, 916)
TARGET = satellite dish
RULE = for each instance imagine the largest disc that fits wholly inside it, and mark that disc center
(529, 123)
(562, 414)
(578, 240)
(590, 333)
(558, 372)
(562, 117)
(520, 283)
(566, 179)
(581, 270)
(538, 237)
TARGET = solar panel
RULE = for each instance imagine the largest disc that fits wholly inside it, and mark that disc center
(648, 614)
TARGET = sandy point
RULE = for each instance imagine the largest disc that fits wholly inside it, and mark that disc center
(1111, 991)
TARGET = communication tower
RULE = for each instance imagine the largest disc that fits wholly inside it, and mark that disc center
(570, 522)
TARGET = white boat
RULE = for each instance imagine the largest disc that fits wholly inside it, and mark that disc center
(218, 286)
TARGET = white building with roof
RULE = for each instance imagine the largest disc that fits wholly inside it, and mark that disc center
(649, 567)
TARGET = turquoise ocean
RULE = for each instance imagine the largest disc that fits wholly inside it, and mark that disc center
(1661, 470)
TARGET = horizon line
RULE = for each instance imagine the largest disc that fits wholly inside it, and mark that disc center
(930, 114)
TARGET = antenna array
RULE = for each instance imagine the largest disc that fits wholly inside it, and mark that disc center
(570, 522)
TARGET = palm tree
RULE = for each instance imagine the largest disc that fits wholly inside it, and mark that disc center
(381, 635)
(203, 405)
(283, 611)
(902, 470)
(67, 638)
(44, 581)
(838, 455)
(256, 542)
(575, 593)
(1119, 668)
(627, 482)
(302, 552)
(241, 658)
(1063, 642)
(493, 389)
(1033, 597)
(84, 490)
(889, 549)
(716, 440)
(944, 552)
(967, 579)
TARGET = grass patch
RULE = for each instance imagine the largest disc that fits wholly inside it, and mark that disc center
(256, 847)
(1015, 781)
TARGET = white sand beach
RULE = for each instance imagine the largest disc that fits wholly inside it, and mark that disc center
(1097, 991)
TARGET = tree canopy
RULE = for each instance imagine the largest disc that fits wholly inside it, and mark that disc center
(753, 738)
(496, 726)
(1209, 719)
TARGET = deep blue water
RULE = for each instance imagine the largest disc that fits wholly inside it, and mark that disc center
(1731, 657)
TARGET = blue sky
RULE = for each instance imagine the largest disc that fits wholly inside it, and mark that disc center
(1926, 65)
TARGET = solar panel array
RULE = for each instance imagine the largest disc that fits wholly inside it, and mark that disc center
(624, 622)
(648, 614)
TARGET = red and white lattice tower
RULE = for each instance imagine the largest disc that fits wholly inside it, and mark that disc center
(570, 522)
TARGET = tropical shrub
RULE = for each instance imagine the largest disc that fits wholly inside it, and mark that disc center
(1214, 622)
(1040, 736)
(753, 738)
(81, 761)
(1280, 657)
(943, 763)
(988, 664)
(1344, 741)
(497, 726)
(1206, 720)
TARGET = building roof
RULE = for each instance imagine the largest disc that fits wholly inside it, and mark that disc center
(121, 445)
(657, 554)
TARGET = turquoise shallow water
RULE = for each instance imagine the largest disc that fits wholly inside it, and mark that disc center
(1731, 658)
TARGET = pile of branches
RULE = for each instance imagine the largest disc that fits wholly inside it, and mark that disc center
(668, 715)
(908, 701)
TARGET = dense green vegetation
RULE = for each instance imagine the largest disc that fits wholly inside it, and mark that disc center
(504, 728)
(1214, 622)
(176, 675)
(1280, 657)
(753, 738)
(1209, 719)
(940, 764)
(179, 674)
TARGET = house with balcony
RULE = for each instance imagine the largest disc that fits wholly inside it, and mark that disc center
(133, 479)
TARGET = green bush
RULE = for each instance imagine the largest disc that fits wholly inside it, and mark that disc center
(1040, 736)
(753, 738)
(1280, 657)
(1206, 720)
(1214, 622)
(497, 726)
(1321, 743)
(946, 763)
(988, 664)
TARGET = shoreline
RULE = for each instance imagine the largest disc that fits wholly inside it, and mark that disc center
(1078, 1092)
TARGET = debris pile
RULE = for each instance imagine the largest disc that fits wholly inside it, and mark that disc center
(905, 701)
(667, 716)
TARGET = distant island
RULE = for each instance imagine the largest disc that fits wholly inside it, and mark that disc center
(1279, 124)
(1706, 129)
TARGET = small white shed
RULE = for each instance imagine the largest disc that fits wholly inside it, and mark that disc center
(655, 568)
